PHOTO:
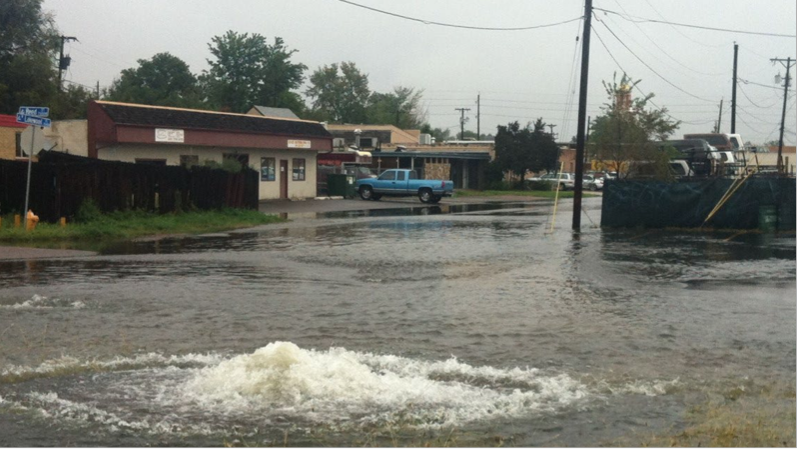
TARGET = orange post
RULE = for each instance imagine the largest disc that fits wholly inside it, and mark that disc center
(31, 221)
(62, 222)
(17, 220)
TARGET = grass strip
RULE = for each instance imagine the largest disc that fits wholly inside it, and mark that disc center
(531, 193)
(131, 224)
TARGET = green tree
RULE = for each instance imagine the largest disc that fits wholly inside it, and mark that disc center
(401, 108)
(246, 71)
(339, 93)
(72, 103)
(28, 45)
(440, 135)
(621, 138)
(163, 80)
(520, 150)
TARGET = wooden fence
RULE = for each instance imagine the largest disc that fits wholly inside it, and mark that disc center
(61, 182)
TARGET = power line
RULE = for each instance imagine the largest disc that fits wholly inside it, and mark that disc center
(651, 68)
(81, 85)
(727, 30)
(679, 31)
(653, 41)
(636, 87)
(451, 25)
(571, 84)
(753, 102)
(758, 84)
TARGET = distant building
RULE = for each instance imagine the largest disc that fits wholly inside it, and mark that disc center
(65, 136)
(11, 138)
(283, 150)
(265, 111)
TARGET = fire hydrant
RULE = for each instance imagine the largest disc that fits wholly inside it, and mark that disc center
(31, 221)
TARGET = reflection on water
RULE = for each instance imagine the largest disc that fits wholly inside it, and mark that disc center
(338, 326)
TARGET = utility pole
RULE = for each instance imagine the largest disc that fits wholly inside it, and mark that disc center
(462, 122)
(63, 61)
(552, 127)
(733, 95)
(478, 116)
(582, 116)
(719, 119)
(98, 89)
(788, 65)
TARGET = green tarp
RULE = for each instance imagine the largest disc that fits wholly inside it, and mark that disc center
(655, 204)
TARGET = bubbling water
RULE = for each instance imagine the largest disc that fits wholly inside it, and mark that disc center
(282, 379)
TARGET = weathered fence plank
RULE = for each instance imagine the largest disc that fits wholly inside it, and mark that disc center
(60, 183)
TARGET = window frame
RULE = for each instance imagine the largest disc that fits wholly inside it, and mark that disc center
(299, 169)
(271, 173)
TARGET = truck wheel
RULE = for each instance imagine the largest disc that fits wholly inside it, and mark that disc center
(366, 193)
(562, 187)
(425, 195)
(593, 187)
(436, 199)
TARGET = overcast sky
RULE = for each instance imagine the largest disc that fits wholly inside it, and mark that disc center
(520, 75)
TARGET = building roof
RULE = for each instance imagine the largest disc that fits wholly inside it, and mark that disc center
(398, 135)
(427, 154)
(159, 116)
(266, 111)
(10, 121)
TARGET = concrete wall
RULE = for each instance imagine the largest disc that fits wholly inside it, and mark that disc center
(69, 136)
(268, 189)
(66, 136)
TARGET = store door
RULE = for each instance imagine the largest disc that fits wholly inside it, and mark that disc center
(284, 179)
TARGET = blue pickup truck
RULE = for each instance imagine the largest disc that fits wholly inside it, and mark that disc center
(399, 182)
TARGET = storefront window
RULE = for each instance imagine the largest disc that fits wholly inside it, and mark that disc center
(268, 169)
(298, 169)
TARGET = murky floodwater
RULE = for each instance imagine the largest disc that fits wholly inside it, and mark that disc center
(449, 325)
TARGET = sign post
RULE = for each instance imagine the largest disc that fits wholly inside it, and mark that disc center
(32, 116)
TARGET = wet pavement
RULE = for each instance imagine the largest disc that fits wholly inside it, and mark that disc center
(458, 324)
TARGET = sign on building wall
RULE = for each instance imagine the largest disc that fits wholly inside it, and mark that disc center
(169, 135)
(299, 144)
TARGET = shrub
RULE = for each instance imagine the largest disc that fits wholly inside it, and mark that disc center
(540, 185)
(88, 212)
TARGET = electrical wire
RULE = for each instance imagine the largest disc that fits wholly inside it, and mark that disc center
(81, 85)
(757, 84)
(679, 31)
(571, 85)
(451, 25)
(751, 101)
(651, 68)
(640, 90)
(653, 41)
(643, 20)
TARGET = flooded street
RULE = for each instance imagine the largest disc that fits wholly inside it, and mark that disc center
(457, 325)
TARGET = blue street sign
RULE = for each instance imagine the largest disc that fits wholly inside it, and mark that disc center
(35, 111)
(36, 121)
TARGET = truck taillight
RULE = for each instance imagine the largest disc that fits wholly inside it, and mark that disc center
(443, 185)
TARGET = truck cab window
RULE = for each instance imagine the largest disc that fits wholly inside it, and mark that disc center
(388, 176)
(400, 176)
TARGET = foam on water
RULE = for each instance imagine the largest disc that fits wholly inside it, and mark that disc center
(43, 302)
(70, 365)
(339, 385)
(282, 384)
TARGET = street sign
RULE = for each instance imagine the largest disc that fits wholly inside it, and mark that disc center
(35, 111)
(36, 121)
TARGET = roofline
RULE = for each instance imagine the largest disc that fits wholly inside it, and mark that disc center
(202, 111)
(235, 131)
(453, 155)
